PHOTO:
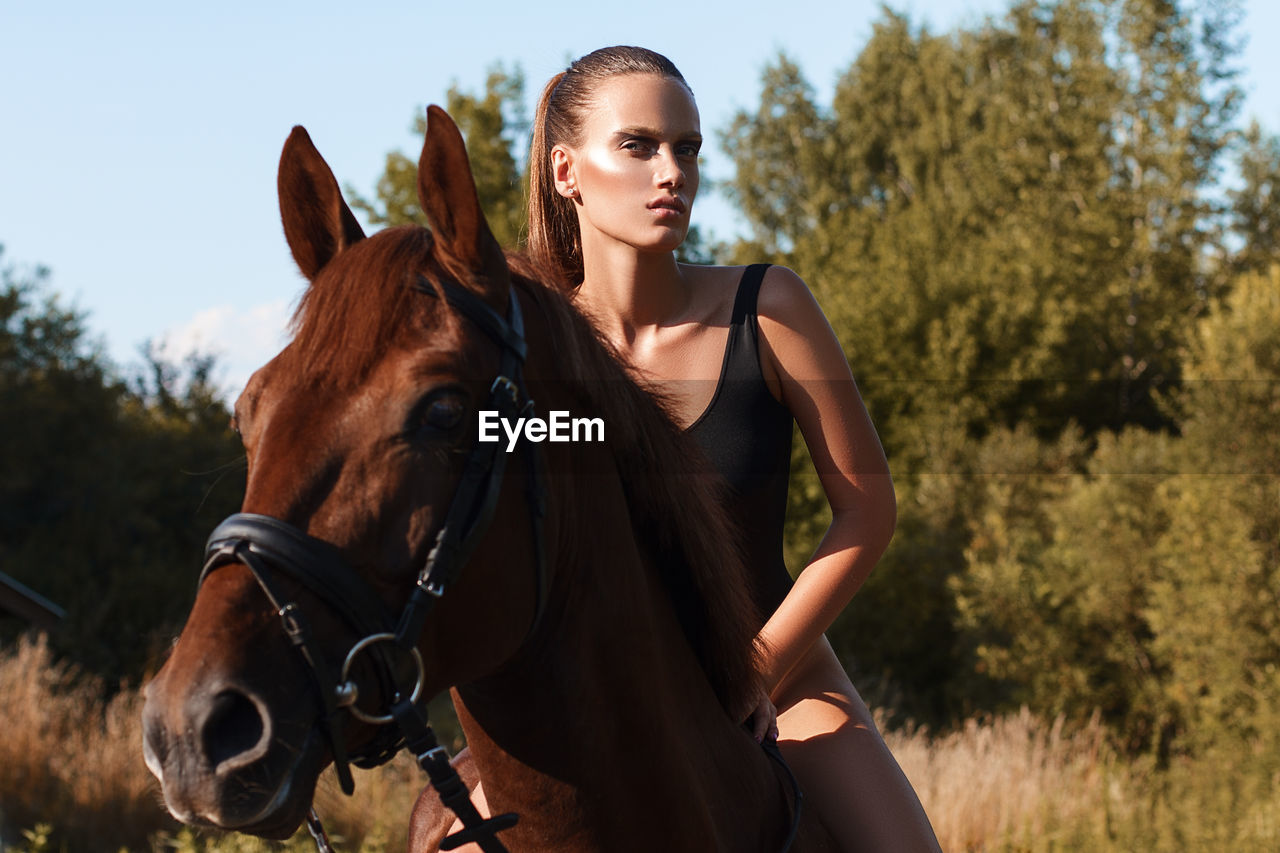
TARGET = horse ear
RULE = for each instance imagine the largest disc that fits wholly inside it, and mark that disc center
(317, 222)
(447, 193)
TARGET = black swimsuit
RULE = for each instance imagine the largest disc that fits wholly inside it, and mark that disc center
(746, 434)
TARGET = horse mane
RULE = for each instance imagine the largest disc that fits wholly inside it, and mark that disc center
(362, 303)
(687, 532)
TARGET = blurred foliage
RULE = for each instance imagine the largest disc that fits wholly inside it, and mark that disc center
(109, 487)
(1256, 202)
(1018, 232)
(1005, 224)
(1146, 585)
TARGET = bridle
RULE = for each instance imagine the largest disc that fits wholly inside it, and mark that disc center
(269, 546)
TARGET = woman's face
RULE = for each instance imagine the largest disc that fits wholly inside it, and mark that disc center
(635, 172)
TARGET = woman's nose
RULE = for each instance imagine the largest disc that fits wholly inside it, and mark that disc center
(670, 172)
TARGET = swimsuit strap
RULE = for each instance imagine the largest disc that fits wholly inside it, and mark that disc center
(744, 305)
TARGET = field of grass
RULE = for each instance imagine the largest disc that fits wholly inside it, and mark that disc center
(72, 778)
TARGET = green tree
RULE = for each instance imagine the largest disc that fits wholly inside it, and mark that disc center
(1010, 217)
(1216, 607)
(1255, 204)
(1148, 586)
(492, 124)
(1174, 125)
(1007, 227)
(1056, 594)
(107, 492)
(780, 154)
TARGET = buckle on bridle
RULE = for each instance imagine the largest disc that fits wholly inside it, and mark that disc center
(436, 754)
(503, 383)
(291, 617)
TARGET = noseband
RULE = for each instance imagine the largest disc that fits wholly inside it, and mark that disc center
(269, 546)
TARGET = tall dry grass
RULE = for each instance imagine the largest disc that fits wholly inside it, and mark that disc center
(72, 759)
(69, 757)
(1018, 784)
(1012, 782)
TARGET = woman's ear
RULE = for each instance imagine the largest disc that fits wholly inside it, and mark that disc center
(562, 172)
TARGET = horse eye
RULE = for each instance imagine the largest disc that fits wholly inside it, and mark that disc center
(445, 413)
(440, 413)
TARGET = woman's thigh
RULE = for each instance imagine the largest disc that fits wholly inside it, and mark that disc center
(846, 771)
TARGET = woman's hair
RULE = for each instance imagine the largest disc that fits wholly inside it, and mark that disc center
(555, 243)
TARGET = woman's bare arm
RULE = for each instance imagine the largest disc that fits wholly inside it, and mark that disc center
(804, 364)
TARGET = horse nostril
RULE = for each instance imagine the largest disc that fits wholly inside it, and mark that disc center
(154, 745)
(232, 728)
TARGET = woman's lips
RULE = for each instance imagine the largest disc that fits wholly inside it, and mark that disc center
(668, 206)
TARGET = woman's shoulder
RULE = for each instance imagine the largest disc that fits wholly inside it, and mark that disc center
(782, 292)
(784, 296)
(796, 337)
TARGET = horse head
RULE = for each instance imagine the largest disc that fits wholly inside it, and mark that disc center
(359, 439)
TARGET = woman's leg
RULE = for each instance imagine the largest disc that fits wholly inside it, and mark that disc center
(846, 771)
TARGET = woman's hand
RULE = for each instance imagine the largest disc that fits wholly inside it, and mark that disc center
(763, 719)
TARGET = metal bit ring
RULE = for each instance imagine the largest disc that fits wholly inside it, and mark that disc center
(347, 692)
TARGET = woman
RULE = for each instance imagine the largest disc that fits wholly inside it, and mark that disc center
(614, 173)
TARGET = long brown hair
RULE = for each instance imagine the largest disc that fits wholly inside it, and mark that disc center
(554, 240)
(703, 571)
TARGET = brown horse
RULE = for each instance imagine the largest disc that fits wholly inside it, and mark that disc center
(599, 689)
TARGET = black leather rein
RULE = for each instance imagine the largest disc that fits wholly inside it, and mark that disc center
(270, 546)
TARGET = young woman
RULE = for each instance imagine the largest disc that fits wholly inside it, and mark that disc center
(741, 354)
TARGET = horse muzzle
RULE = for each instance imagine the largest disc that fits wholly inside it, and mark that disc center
(224, 760)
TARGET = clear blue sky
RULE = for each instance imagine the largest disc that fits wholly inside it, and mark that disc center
(140, 139)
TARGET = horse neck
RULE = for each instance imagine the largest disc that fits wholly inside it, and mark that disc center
(606, 714)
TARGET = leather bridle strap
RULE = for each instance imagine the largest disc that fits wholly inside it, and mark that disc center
(312, 562)
(260, 542)
(477, 493)
(453, 792)
(507, 332)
